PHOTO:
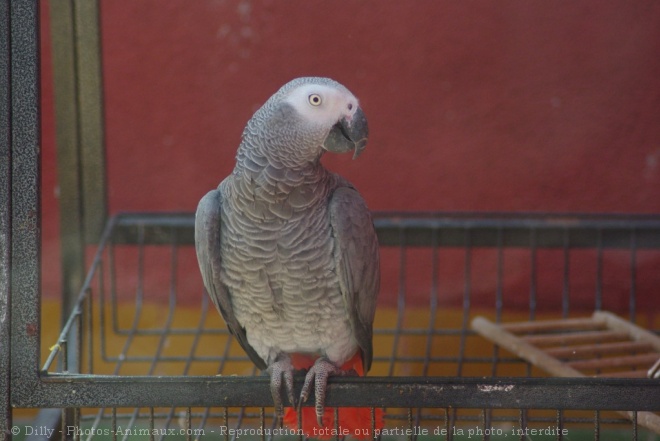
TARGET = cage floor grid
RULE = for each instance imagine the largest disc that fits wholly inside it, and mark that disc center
(143, 312)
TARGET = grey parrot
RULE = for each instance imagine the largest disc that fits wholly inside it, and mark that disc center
(287, 249)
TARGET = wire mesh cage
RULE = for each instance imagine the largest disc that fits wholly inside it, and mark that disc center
(424, 335)
(128, 363)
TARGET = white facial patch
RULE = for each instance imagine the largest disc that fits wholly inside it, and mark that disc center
(322, 105)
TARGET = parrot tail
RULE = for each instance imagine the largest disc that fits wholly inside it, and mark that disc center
(353, 421)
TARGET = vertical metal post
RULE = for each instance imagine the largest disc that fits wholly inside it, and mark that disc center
(90, 116)
(69, 176)
(25, 220)
(75, 38)
(5, 223)
(79, 134)
(68, 161)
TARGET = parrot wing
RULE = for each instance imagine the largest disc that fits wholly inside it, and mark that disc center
(209, 257)
(358, 268)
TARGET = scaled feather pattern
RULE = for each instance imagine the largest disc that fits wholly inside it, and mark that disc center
(287, 249)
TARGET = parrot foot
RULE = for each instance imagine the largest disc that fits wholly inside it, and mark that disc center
(281, 371)
(319, 374)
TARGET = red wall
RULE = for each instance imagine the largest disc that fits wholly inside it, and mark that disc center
(495, 106)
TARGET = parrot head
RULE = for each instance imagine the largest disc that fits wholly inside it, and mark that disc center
(325, 103)
(313, 115)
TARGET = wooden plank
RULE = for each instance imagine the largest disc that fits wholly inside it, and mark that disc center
(649, 420)
(582, 351)
(576, 324)
(635, 332)
(575, 337)
(643, 360)
(522, 348)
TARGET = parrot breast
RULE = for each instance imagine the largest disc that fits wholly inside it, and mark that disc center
(278, 265)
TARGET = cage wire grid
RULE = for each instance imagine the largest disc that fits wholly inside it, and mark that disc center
(117, 335)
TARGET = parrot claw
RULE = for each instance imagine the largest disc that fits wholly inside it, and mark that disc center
(282, 369)
(319, 374)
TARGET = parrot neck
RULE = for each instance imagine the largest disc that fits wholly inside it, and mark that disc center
(290, 151)
(271, 181)
(256, 159)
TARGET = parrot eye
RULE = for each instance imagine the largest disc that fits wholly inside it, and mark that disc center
(315, 99)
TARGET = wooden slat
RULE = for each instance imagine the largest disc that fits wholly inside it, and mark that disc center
(575, 337)
(643, 360)
(635, 332)
(522, 348)
(582, 351)
(577, 324)
(649, 420)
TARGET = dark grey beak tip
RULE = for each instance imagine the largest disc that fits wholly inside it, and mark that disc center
(359, 147)
(349, 135)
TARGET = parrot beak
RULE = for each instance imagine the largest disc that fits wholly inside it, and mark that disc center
(348, 134)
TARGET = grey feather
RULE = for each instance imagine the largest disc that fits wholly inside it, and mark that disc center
(207, 246)
(356, 254)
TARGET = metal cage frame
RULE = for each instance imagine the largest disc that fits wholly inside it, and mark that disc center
(23, 384)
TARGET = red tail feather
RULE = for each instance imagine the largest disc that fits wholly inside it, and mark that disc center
(353, 421)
